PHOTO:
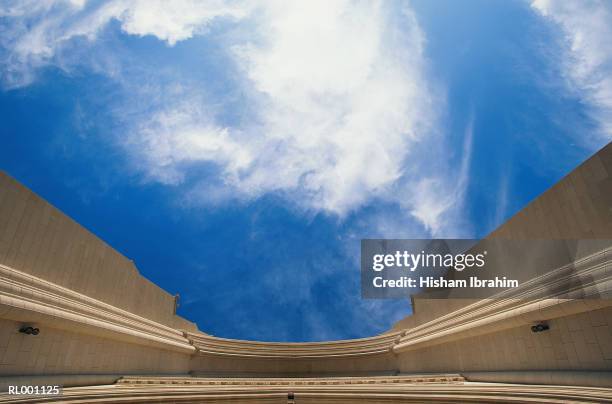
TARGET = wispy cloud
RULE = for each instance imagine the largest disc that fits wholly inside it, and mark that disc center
(39, 32)
(588, 54)
(437, 201)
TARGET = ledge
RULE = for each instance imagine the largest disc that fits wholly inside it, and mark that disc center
(530, 302)
(393, 392)
(210, 345)
(29, 299)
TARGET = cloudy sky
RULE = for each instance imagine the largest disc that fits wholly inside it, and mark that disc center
(238, 151)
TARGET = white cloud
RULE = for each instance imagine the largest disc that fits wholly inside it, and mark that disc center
(341, 95)
(587, 26)
(437, 200)
(171, 140)
(177, 21)
(36, 31)
(343, 110)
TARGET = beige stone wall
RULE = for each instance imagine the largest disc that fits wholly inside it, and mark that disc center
(222, 365)
(579, 206)
(100, 316)
(63, 352)
(38, 239)
(578, 342)
(441, 388)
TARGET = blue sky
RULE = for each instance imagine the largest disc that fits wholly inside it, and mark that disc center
(238, 151)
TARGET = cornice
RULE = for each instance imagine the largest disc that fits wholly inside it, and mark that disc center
(531, 301)
(291, 381)
(358, 390)
(211, 345)
(25, 297)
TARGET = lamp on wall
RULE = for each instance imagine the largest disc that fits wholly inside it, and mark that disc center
(29, 330)
(539, 327)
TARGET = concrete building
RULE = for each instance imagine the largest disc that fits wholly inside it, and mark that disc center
(107, 334)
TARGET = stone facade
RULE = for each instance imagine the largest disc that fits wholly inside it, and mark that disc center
(103, 323)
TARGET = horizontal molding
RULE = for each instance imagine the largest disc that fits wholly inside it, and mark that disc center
(26, 298)
(30, 299)
(587, 378)
(291, 374)
(291, 381)
(453, 392)
(210, 345)
(530, 302)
